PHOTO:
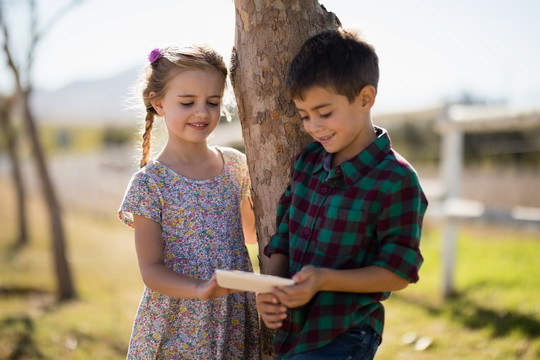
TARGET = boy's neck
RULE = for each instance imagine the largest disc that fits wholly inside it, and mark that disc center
(367, 138)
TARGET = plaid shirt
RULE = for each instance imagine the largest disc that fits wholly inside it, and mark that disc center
(366, 211)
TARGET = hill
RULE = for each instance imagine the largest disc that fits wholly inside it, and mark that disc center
(99, 102)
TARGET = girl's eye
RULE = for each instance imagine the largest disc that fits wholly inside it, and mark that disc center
(213, 104)
(326, 116)
(187, 104)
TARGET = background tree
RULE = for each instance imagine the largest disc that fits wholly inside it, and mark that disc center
(268, 35)
(21, 68)
(11, 141)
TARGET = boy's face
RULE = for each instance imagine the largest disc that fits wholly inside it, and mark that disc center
(343, 128)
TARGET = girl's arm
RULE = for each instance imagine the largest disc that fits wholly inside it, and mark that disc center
(149, 246)
(248, 221)
(250, 232)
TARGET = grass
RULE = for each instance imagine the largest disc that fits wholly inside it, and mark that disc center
(60, 139)
(96, 325)
(495, 313)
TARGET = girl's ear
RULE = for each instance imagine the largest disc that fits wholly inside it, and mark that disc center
(367, 97)
(156, 103)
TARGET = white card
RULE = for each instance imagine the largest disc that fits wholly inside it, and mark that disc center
(248, 281)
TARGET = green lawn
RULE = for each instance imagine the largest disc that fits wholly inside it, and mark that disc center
(495, 314)
(496, 311)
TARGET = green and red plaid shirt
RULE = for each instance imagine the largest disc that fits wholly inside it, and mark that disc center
(366, 211)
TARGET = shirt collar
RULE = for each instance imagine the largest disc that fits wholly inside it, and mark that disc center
(327, 161)
(358, 166)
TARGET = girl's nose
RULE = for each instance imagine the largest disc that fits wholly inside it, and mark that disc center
(201, 111)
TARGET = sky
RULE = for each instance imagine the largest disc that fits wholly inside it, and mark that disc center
(429, 51)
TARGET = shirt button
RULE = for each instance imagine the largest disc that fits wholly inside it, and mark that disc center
(324, 190)
(306, 231)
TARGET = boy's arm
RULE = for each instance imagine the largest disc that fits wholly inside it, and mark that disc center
(270, 309)
(278, 265)
(268, 305)
(310, 280)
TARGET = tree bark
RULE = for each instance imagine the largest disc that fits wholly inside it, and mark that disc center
(268, 35)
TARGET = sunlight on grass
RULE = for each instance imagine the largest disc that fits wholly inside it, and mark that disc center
(96, 325)
(495, 313)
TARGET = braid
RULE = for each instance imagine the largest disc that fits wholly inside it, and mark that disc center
(146, 138)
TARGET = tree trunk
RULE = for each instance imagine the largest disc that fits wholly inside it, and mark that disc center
(66, 289)
(268, 35)
(12, 149)
(22, 72)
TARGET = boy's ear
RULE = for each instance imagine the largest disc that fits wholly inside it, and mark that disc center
(367, 97)
(156, 103)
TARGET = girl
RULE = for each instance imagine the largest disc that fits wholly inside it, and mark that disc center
(191, 212)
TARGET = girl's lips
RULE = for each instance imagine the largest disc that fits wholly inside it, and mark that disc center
(199, 126)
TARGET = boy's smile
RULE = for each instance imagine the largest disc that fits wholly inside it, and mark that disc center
(344, 128)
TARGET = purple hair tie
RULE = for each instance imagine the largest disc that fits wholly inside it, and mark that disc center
(155, 55)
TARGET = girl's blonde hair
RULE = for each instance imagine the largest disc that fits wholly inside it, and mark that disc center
(164, 65)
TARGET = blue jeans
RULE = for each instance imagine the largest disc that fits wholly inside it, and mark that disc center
(358, 343)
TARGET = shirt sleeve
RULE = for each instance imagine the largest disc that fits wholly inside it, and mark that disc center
(237, 161)
(142, 198)
(399, 228)
(279, 243)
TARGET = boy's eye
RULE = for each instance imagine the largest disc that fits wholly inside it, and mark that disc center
(303, 117)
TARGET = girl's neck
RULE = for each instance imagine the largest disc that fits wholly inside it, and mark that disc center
(194, 161)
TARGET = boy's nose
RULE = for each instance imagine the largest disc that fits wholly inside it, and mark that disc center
(314, 125)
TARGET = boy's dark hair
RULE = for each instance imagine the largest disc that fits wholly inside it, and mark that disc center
(334, 59)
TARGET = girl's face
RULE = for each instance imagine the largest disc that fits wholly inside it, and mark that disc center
(191, 106)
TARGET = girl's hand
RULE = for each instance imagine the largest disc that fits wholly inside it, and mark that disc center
(271, 311)
(308, 282)
(210, 289)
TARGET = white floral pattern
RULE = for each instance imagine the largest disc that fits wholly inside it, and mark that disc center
(202, 231)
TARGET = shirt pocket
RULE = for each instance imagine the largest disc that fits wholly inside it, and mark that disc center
(342, 232)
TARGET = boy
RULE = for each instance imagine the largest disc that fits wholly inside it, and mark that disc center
(349, 223)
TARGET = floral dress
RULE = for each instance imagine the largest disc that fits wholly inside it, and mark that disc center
(202, 231)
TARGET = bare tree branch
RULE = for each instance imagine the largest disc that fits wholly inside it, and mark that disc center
(7, 51)
(23, 84)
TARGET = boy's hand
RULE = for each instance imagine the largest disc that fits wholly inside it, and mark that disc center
(271, 311)
(307, 283)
